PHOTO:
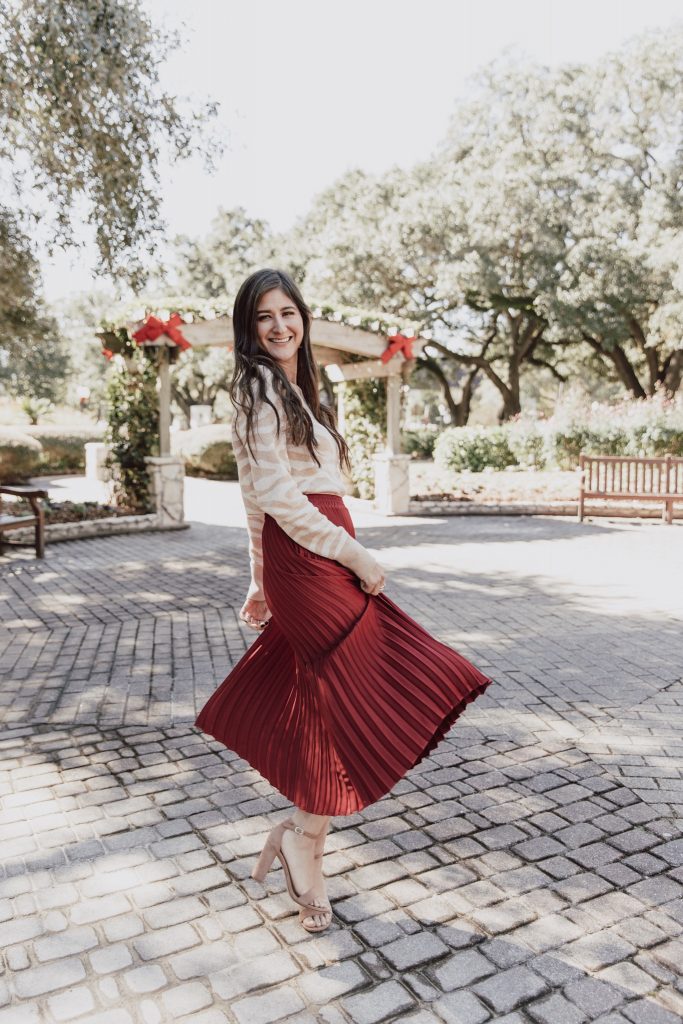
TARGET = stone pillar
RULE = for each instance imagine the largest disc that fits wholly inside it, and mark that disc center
(95, 454)
(167, 481)
(392, 483)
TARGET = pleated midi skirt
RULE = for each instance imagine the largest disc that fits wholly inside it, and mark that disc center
(342, 692)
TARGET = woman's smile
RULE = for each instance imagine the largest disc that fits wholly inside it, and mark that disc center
(280, 329)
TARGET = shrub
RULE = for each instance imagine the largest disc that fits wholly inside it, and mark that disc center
(132, 430)
(207, 451)
(527, 442)
(364, 438)
(20, 456)
(655, 439)
(473, 448)
(420, 442)
(64, 447)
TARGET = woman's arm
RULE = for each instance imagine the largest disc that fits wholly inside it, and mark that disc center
(255, 529)
(268, 476)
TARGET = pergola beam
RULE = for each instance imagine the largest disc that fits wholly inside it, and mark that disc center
(332, 341)
(325, 334)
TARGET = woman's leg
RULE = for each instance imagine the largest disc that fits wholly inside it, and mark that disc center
(306, 870)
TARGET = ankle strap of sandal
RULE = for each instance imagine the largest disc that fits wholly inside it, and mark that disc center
(300, 830)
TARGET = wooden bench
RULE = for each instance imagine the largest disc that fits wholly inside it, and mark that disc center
(37, 520)
(627, 478)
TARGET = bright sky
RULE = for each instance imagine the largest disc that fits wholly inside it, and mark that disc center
(311, 88)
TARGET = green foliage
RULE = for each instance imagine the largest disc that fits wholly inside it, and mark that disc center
(420, 442)
(656, 439)
(473, 448)
(33, 356)
(207, 451)
(83, 117)
(527, 443)
(542, 237)
(200, 377)
(236, 245)
(64, 447)
(640, 427)
(364, 436)
(133, 429)
(35, 408)
(19, 456)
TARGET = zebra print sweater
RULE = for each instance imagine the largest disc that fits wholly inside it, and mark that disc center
(275, 480)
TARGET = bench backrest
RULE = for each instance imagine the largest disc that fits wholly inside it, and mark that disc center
(612, 474)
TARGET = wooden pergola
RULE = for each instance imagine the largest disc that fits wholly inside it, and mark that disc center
(332, 341)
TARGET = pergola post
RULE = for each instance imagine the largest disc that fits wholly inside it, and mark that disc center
(166, 471)
(392, 471)
(341, 407)
(164, 402)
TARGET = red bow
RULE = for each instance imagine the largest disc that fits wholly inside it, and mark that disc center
(153, 328)
(398, 343)
(107, 353)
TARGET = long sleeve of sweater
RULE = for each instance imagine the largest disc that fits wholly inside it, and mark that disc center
(269, 487)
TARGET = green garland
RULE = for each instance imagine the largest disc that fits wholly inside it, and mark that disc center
(133, 429)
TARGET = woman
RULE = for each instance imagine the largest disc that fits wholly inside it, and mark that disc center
(342, 693)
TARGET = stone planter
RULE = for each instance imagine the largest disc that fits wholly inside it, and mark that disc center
(167, 481)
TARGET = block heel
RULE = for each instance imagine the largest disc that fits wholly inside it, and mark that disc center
(273, 849)
(265, 861)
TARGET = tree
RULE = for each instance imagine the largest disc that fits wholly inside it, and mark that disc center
(621, 289)
(214, 267)
(84, 119)
(33, 357)
(378, 243)
(199, 377)
(541, 238)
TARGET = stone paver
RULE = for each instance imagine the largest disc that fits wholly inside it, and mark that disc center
(529, 870)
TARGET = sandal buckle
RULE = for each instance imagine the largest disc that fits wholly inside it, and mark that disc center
(298, 828)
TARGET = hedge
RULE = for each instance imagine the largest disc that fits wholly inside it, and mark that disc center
(20, 456)
(207, 451)
(547, 444)
(473, 448)
(64, 447)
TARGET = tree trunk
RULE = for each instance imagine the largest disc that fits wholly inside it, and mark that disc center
(458, 411)
(673, 373)
(625, 371)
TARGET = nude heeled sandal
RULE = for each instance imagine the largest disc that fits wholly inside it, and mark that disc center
(273, 849)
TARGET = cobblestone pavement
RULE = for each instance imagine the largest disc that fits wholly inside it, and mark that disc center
(530, 871)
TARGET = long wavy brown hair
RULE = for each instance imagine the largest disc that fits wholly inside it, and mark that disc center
(249, 356)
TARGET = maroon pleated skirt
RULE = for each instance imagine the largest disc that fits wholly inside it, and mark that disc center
(342, 692)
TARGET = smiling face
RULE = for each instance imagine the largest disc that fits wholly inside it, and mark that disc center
(280, 329)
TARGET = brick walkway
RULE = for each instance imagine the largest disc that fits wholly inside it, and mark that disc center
(530, 870)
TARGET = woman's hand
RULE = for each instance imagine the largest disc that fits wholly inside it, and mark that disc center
(255, 614)
(374, 582)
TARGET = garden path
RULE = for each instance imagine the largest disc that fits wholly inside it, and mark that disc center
(530, 870)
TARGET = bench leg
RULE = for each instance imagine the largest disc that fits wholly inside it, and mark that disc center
(40, 535)
(669, 512)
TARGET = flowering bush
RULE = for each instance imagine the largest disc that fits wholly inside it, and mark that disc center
(649, 427)
(364, 437)
(473, 448)
(420, 443)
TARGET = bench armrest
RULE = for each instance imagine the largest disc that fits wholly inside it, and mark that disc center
(24, 492)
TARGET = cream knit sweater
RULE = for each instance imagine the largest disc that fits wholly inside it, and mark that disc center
(276, 481)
